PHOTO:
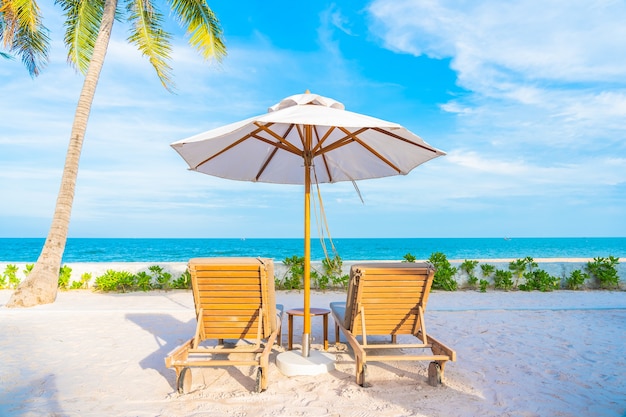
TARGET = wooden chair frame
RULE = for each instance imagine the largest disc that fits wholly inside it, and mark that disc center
(234, 299)
(389, 299)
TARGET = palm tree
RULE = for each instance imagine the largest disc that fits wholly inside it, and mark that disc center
(88, 31)
(22, 33)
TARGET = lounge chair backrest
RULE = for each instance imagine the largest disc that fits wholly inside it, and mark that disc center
(390, 295)
(230, 293)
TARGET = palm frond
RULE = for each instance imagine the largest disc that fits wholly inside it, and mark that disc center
(82, 24)
(148, 35)
(202, 26)
(24, 33)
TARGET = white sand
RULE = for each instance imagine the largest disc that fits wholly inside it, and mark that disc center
(519, 354)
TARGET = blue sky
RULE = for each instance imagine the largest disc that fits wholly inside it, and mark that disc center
(527, 98)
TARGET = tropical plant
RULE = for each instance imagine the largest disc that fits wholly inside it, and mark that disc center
(65, 274)
(468, 267)
(503, 280)
(604, 271)
(292, 278)
(576, 279)
(409, 258)
(9, 278)
(540, 280)
(520, 266)
(83, 283)
(332, 273)
(483, 284)
(143, 281)
(183, 282)
(161, 278)
(23, 33)
(444, 272)
(88, 31)
(487, 270)
(115, 281)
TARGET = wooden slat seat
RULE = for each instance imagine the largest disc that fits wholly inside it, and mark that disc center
(234, 299)
(389, 299)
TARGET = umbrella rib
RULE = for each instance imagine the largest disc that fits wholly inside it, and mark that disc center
(288, 146)
(393, 135)
(266, 163)
(343, 141)
(372, 150)
(226, 149)
(319, 144)
(276, 145)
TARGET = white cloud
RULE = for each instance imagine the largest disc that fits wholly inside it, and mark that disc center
(553, 64)
(550, 40)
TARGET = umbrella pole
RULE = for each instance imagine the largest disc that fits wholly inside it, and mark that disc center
(306, 334)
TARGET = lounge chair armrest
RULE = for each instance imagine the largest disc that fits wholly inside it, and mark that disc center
(179, 354)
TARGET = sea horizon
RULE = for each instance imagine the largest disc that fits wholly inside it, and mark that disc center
(182, 249)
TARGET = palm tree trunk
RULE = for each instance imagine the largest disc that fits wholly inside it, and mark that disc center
(40, 287)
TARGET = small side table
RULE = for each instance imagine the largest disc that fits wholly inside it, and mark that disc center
(314, 312)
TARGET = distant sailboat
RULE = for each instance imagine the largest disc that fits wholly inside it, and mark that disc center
(507, 238)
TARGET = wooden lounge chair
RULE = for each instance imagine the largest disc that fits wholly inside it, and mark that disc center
(234, 299)
(389, 299)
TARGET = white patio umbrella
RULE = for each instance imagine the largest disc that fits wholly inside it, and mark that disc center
(306, 136)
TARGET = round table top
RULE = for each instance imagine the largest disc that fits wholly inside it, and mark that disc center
(314, 311)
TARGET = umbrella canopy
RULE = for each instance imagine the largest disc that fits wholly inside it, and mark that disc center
(305, 135)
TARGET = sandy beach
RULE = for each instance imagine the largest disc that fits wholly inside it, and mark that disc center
(519, 354)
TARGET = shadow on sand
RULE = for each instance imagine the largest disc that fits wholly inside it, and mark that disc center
(170, 333)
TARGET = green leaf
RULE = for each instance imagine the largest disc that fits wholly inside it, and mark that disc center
(203, 27)
(82, 25)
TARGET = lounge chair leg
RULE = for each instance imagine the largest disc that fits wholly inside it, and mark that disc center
(183, 380)
(434, 374)
(361, 372)
(261, 380)
(364, 376)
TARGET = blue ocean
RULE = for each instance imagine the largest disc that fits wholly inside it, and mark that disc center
(180, 250)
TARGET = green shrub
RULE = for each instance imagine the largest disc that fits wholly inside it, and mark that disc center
(487, 270)
(9, 278)
(340, 281)
(468, 267)
(115, 281)
(444, 272)
(27, 269)
(83, 283)
(183, 282)
(143, 281)
(409, 258)
(292, 278)
(65, 274)
(576, 279)
(483, 285)
(162, 279)
(540, 280)
(503, 280)
(604, 271)
(520, 266)
(332, 274)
